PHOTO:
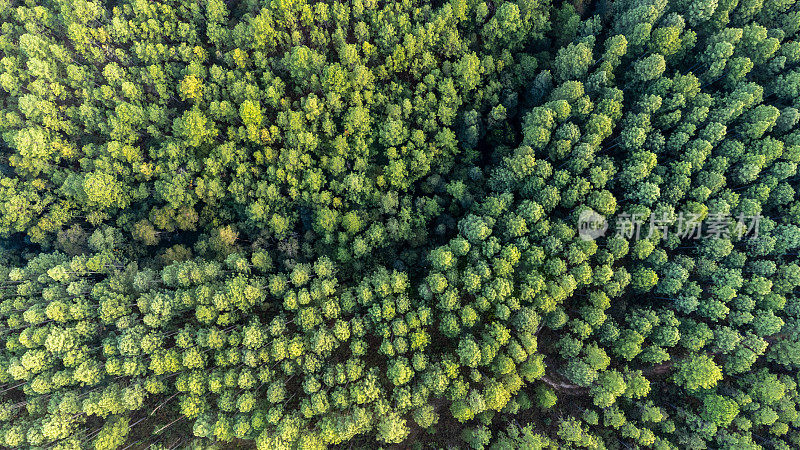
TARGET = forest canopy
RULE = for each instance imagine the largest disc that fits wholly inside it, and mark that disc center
(291, 224)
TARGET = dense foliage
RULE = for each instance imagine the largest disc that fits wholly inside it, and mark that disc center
(292, 224)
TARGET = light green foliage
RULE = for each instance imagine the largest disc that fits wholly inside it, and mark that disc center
(308, 225)
(719, 410)
(392, 429)
(699, 372)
